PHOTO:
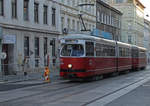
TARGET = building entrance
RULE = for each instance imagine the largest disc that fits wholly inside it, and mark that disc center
(7, 64)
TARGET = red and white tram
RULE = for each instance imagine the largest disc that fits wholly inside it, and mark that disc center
(138, 58)
(84, 56)
(124, 59)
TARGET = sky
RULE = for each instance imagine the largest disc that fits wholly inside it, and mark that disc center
(146, 3)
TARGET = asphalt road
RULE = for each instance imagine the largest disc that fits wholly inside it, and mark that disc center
(12, 86)
(114, 91)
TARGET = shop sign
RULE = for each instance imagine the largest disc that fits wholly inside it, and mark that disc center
(9, 39)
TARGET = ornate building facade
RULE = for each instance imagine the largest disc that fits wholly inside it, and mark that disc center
(147, 38)
(70, 11)
(108, 20)
(28, 27)
(132, 20)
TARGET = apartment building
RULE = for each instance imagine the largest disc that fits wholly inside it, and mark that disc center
(132, 20)
(108, 20)
(28, 28)
(147, 38)
(70, 11)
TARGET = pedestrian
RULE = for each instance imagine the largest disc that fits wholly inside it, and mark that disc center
(25, 68)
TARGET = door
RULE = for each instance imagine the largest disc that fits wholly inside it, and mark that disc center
(5, 61)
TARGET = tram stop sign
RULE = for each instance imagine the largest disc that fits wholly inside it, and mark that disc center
(3, 55)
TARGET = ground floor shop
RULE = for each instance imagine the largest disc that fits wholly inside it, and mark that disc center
(28, 50)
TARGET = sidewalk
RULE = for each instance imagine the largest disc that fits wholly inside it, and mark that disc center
(36, 77)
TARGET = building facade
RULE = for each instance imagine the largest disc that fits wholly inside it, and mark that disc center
(28, 28)
(147, 38)
(70, 11)
(132, 20)
(108, 20)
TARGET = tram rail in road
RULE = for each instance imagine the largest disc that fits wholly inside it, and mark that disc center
(67, 90)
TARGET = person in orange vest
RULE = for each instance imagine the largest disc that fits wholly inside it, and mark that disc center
(46, 74)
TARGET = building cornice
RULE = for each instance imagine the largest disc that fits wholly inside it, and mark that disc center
(76, 16)
(29, 29)
(72, 8)
(140, 4)
(108, 6)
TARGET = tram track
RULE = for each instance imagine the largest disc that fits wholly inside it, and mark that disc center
(71, 90)
(101, 97)
(43, 92)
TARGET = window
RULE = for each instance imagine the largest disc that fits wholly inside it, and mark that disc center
(62, 1)
(68, 2)
(89, 52)
(53, 47)
(90, 27)
(78, 25)
(105, 19)
(105, 50)
(62, 23)
(26, 10)
(45, 51)
(26, 46)
(72, 50)
(14, 8)
(124, 52)
(129, 39)
(36, 47)
(36, 15)
(98, 16)
(73, 25)
(36, 62)
(45, 46)
(45, 14)
(1, 8)
(53, 16)
(68, 21)
(135, 53)
(119, 1)
(73, 3)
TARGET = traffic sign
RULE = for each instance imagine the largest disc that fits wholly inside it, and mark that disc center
(3, 55)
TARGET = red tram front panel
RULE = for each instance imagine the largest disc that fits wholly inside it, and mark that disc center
(78, 68)
(86, 67)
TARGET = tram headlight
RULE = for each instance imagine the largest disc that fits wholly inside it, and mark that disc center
(69, 65)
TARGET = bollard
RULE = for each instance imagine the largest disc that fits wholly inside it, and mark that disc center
(46, 74)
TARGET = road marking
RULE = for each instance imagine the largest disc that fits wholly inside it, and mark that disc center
(116, 95)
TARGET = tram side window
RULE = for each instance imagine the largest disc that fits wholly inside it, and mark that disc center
(105, 50)
(99, 49)
(142, 54)
(89, 49)
(135, 53)
(124, 52)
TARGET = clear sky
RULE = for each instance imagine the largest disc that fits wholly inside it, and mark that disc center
(146, 3)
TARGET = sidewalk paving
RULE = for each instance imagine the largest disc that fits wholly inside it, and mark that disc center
(31, 77)
(21, 81)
